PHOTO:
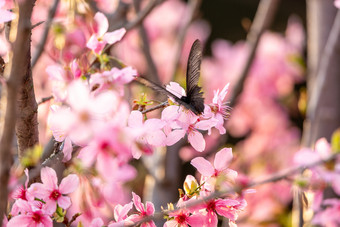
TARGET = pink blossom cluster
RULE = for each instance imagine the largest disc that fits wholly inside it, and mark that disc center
(320, 177)
(91, 113)
(37, 204)
(213, 178)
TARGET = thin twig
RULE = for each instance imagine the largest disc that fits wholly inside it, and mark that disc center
(163, 104)
(142, 14)
(42, 42)
(43, 100)
(193, 7)
(153, 73)
(37, 24)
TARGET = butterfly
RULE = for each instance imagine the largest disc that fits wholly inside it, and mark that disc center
(193, 100)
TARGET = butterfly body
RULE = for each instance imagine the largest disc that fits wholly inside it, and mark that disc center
(193, 100)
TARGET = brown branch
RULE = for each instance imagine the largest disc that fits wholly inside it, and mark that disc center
(193, 8)
(21, 47)
(153, 73)
(262, 21)
(42, 42)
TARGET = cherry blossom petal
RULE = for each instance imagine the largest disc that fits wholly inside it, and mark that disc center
(49, 178)
(170, 113)
(323, 148)
(120, 212)
(135, 119)
(174, 136)
(93, 43)
(197, 141)
(156, 138)
(211, 219)
(6, 15)
(172, 223)
(196, 220)
(67, 149)
(69, 184)
(97, 222)
(175, 89)
(115, 36)
(56, 72)
(306, 156)
(101, 24)
(203, 166)
(78, 96)
(20, 220)
(137, 202)
(337, 4)
(46, 221)
(64, 202)
(223, 158)
(150, 208)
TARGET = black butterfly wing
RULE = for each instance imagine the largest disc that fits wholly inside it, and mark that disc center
(194, 94)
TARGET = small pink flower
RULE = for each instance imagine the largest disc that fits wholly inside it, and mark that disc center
(101, 37)
(142, 211)
(219, 110)
(223, 207)
(184, 218)
(120, 215)
(189, 123)
(5, 15)
(30, 216)
(51, 193)
(220, 168)
(149, 132)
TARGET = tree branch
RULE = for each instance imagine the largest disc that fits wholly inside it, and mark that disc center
(42, 42)
(18, 69)
(193, 8)
(262, 21)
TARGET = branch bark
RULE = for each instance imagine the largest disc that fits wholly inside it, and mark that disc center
(17, 73)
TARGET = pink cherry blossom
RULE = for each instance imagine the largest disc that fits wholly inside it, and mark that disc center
(120, 215)
(219, 170)
(5, 15)
(328, 171)
(337, 4)
(21, 193)
(97, 222)
(329, 215)
(183, 218)
(149, 131)
(223, 207)
(51, 193)
(30, 216)
(189, 123)
(84, 115)
(219, 110)
(101, 37)
(142, 211)
(113, 79)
